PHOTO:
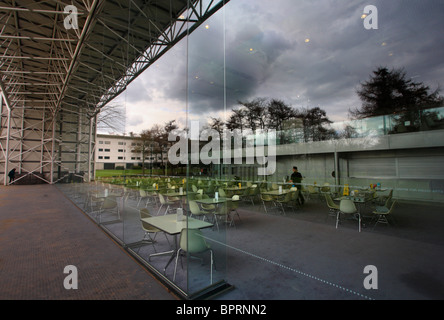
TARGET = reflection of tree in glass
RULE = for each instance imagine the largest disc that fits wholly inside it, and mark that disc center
(389, 92)
(111, 118)
(316, 124)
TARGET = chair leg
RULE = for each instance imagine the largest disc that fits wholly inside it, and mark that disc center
(265, 207)
(211, 267)
(175, 265)
(337, 218)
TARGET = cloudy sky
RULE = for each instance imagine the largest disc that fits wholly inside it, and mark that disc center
(304, 52)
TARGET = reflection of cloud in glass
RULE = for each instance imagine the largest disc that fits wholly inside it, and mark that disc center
(297, 53)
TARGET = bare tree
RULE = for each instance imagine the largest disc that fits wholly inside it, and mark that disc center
(255, 113)
(217, 124)
(143, 146)
(236, 120)
(112, 118)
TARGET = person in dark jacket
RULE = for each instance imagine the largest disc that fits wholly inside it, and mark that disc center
(296, 179)
(11, 175)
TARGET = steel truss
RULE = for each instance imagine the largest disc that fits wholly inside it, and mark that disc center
(56, 76)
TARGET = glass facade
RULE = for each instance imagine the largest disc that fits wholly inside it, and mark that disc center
(261, 87)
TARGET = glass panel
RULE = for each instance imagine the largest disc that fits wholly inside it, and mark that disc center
(254, 57)
(205, 117)
(248, 61)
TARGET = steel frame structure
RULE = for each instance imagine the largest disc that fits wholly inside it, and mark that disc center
(56, 76)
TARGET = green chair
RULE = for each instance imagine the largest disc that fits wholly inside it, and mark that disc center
(192, 242)
(265, 198)
(149, 229)
(208, 208)
(109, 204)
(164, 202)
(222, 193)
(195, 210)
(332, 206)
(221, 212)
(285, 201)
(234, 204)
(382, 212)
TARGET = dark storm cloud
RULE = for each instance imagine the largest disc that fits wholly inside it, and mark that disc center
(308, 53)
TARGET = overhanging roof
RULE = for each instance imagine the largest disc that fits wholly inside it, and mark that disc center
(45, 65)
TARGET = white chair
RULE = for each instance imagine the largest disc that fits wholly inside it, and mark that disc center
(347, 206)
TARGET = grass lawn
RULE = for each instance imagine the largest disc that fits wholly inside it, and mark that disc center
(128, 172)
(111, 173)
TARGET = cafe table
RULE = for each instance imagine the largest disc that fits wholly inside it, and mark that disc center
(169, 224)
(178, 195)
(212, 200)
(236, 188)
(216, 202)
(276, 192)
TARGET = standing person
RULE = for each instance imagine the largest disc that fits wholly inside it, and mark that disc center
(296, 179)
(11, 175)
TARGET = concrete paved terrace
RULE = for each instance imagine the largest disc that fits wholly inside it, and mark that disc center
(269, 256)
(42, 232)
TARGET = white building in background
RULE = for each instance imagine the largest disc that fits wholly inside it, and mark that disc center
(114, 151)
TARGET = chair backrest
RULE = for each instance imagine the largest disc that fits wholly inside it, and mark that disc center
(161, 198)
(330, 202)
(325, 187)
(198, 196)
(266, 197)
(392, 207)
(109, 203)
(192, 241)
(235, 197)
(144, 213)
(142, 193)
(311, 189)
(194, 207)
(194, 188)
(347, 206)
(222, 193)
